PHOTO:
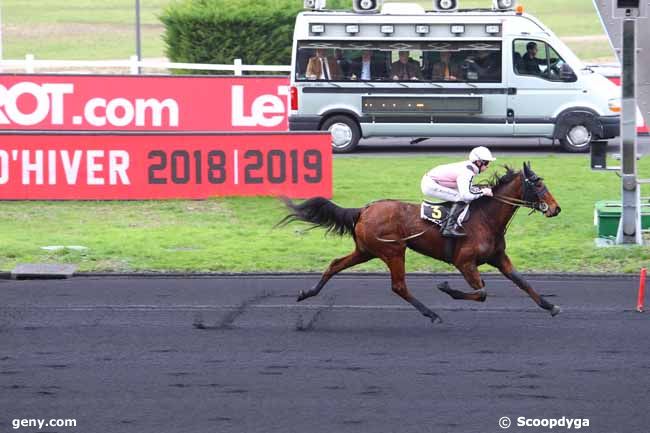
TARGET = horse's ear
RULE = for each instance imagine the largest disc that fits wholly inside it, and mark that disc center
(526, 168)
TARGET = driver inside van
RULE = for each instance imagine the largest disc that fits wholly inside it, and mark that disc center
(529, 63)
(405, 68)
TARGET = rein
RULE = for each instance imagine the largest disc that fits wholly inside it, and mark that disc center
(539, 206)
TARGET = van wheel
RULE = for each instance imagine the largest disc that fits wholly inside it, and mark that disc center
(345, 133)
(577, 139)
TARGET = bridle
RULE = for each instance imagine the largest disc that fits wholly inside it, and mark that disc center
(533, 196)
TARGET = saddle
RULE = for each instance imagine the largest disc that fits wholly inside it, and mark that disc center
(437, 212)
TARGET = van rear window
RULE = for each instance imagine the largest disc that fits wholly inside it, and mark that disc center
(434, 61)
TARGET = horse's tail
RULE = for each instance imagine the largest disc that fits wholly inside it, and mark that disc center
(321, 212)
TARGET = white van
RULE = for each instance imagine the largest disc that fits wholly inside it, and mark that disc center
(411, 73)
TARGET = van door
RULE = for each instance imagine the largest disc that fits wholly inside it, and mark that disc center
(538, 91)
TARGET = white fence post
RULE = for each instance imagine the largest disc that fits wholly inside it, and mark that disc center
(133, 64)
(29, 63)
(238, 68)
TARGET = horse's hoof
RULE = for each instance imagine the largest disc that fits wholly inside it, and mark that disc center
(483, 297)
(555, 310)
(436, 319)
(444, 286)
(301, 296)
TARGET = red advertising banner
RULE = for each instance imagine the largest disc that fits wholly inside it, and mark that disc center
(116, 166)
(641, 127)
(142, 102)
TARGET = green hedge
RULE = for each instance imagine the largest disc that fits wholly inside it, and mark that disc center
(219, 31)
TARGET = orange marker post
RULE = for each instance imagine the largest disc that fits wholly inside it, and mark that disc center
(641, 296)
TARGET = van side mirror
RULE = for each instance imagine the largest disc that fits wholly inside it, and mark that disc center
(567, 74)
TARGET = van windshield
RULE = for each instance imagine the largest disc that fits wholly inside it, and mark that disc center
(434, 61)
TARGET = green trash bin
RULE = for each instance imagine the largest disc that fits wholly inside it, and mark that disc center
(607, 214)
(606, 217)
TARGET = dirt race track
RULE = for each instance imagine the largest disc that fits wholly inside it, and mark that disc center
(237, 354)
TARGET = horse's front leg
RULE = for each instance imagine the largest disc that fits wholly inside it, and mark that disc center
(504, 265)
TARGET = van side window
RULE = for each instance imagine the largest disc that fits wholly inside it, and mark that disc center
(464, 61)
(331, 62)
(436, 61)
(532, 57)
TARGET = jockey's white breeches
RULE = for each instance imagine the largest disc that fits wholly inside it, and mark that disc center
(433, 189)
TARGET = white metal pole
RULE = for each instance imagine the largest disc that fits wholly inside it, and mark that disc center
(29, 63)
(138, 47)
(238, 67)
(629, 231)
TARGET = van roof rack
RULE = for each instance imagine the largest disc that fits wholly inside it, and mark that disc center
(478, 10)
(427, 11)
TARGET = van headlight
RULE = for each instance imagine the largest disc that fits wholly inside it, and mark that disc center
(614, 105)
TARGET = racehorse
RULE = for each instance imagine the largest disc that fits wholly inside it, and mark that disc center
(384, 229)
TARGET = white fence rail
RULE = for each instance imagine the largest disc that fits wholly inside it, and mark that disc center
(30, 65)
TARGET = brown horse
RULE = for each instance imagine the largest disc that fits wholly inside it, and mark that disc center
(384, 229)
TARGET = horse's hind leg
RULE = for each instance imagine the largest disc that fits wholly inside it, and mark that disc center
(337, 265)
(473, 278)
(398, 283)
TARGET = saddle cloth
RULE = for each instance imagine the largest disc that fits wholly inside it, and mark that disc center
(437, 213)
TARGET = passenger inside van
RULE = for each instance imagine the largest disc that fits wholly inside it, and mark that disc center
(446, 69)
(322, 67)
(343, 63)
(368, 67)
(405, 68)
(488, 65)
(482, 65)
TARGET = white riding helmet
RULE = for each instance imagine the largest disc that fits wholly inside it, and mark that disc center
(481, 153)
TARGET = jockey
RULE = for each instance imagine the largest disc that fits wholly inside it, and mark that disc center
(453, 182)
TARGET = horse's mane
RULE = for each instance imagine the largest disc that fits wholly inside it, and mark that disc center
(497, 181)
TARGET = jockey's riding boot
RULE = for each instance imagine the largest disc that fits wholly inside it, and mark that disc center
(451, 228)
